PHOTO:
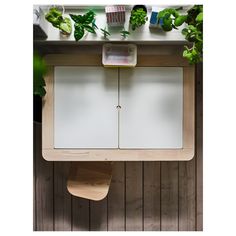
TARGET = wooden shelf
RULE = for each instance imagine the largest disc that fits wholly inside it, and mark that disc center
(143, 35)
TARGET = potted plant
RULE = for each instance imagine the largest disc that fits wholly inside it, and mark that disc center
(39, 70)
(138, 16)
(193, 31)
(83, 23)
(55, 17)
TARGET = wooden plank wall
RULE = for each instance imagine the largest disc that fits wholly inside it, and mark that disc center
(144, 196)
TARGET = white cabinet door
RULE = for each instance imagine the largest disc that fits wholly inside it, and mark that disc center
(151, 114)
(85, 101)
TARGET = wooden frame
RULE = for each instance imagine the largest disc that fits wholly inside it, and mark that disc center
(52, 154)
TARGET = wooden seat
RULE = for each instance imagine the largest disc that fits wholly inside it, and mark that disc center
(90, 180)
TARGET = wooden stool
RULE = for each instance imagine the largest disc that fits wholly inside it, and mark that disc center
(90, 180)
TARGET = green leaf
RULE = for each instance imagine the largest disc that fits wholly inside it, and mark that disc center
(180, 20)
(76, 18)
(89, 29)
(79, 33)
(39, 70)
(66, 26)
(94, 24)
(105, 32)
(199, 17)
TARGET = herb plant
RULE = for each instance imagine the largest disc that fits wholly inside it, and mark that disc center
(170, 18)
(124, 33)
(105, 33)
(39, 70)
(138, 18)
(83, 23)
(54, 16)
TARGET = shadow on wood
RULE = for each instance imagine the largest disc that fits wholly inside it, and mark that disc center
(90, 180)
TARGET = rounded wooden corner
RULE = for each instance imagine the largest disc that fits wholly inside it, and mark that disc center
(45, 155)
(189, 156)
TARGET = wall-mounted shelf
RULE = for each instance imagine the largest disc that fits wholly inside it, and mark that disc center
(144, 34)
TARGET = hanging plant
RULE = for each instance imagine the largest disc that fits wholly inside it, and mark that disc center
(170, 18)
(83, 23)
(54, 16)
(39, 70)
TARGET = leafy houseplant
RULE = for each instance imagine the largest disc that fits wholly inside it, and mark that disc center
(138, 16)
(54, 16)
(83, 23)
(39, 70)
(170, 18)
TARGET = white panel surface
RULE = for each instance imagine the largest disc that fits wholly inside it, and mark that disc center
(85, 101)
(151, 114)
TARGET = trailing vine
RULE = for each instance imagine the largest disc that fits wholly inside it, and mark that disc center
(170, 18)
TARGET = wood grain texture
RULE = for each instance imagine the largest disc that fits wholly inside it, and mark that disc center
(187, 195)
(80, 214)
(90, 180)
(152, 197)
(43, 187)
(98, 215)
(116, 198)
(169, 196)
(34, 176)
(134, 196)
(199, 147)
(62, 198)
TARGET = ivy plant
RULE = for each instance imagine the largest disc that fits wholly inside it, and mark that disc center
(170, 18)
(54, 16)
(138, 18)
(83, 23)
(39, 70)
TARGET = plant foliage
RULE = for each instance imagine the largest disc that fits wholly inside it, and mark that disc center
(124, 33)
(105, 33)
(39, 70)
(54, 16)
(83, 23)
(138, 18)
(170, 18)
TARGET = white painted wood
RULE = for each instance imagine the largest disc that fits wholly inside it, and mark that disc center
(85, 112)
(151, 114)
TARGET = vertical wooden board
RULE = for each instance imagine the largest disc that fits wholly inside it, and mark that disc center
(43, 186)
(169, 196)
(34, 177)
(98, 215)
(62, 198)
(151, 198)
(134, 196)
(116, 198)
(199, 147)
(187, 195)
(80, 214)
